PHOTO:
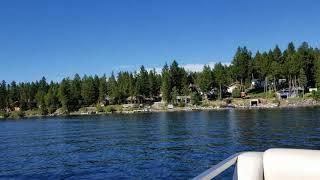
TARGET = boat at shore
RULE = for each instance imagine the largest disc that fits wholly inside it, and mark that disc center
(273, 164)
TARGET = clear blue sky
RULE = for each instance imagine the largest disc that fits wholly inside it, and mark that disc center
(58, 38)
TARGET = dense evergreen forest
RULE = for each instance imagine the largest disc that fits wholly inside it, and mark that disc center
(299, 66)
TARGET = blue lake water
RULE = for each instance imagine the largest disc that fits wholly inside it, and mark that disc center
(177, 145)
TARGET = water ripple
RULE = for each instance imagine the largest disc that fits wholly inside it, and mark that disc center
(146, 146)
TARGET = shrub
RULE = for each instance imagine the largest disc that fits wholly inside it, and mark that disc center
(276, 101)
(110, 109)
(196, 98)
(271, 95)
(99, 108)
(83, 109)
(17, 114)
(4, 114)
(43, 110)
(316, 95)
(236, 93)
(51, 110)
(181, 104)
(62, 110)
(308, 95)
(33, 112)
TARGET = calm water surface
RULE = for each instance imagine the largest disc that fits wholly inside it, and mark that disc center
(147, 146)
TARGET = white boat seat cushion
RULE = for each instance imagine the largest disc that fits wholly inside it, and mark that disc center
(250, 166)
(291, 164)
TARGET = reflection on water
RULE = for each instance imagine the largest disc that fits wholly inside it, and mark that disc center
(147, 146)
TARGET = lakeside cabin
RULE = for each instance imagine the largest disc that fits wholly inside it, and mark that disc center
(107, 101)
(257, 84)
(211, 95)
(286, 93)
(183, 99)
(134, 100)
(141, 100)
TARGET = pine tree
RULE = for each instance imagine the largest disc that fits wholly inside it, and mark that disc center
(13, 95)
(303, 81)
(166, 84)
(174, 94)
(154, 85)
(317, 70)
(142, 83)
(76, 98)
(306, 56)
(96, 85)
(24, 95)
(262, 65)
(3, 95)
(241, 65)
(102, 88)
(132, 82)
(113, 89)
(43, 85)
(88, 91)
(185, 82)
(51, 98)
(65, 94)
(122, 86)
(40, 95)
(220, 76)
(205, 79)
(176, 76)
(275, 57)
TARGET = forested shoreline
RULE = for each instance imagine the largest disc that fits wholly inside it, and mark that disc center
(299, 66)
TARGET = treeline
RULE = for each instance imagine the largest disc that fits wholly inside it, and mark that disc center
(73, 93)
(299, 66)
